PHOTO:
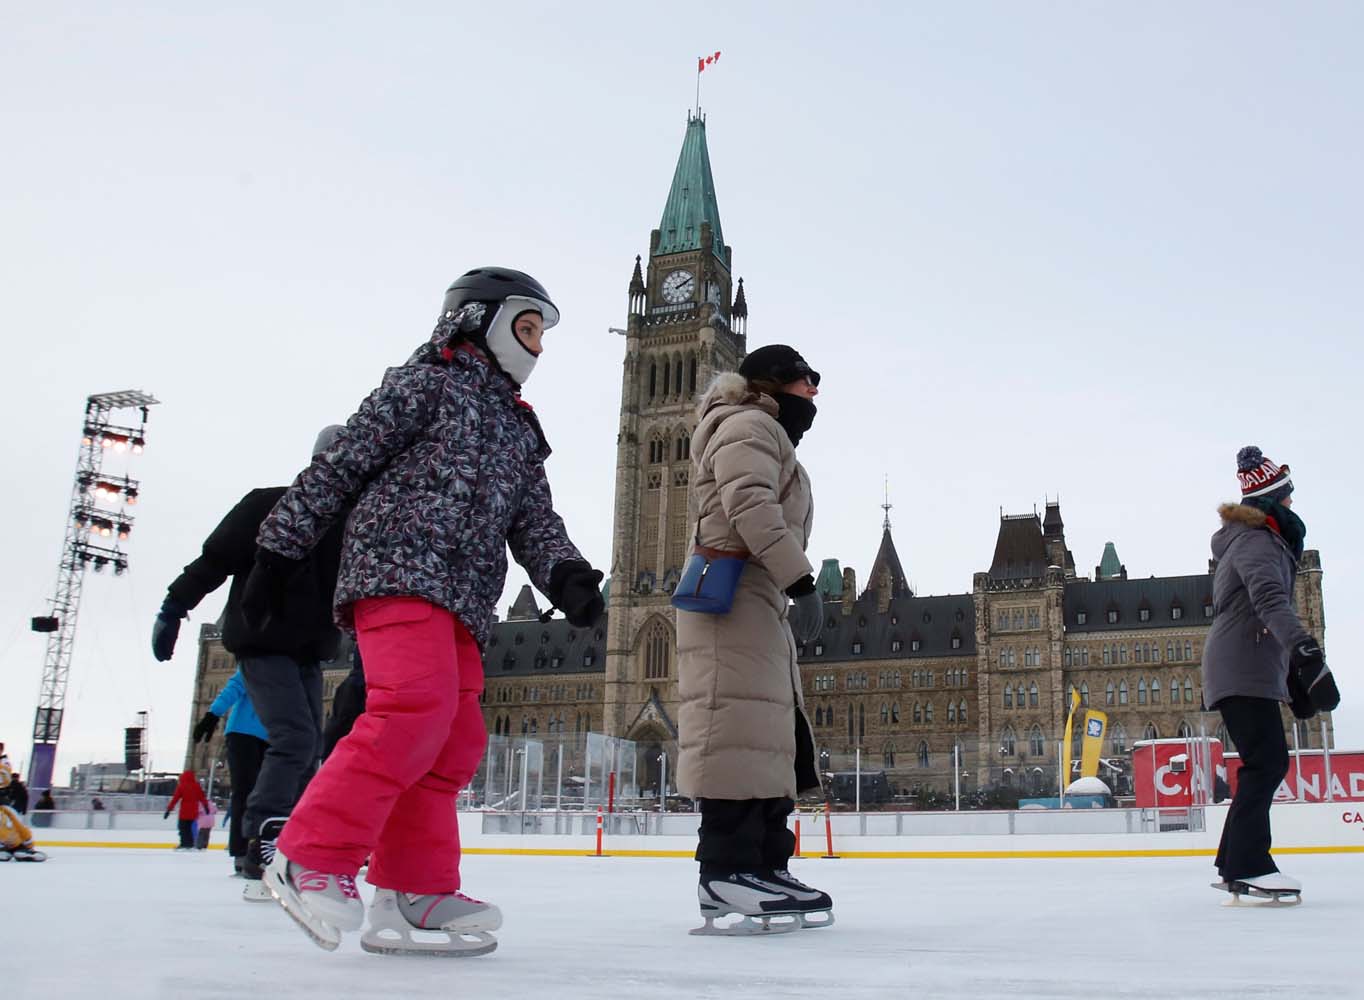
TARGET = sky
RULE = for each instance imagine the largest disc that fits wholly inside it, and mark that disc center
(1057, 250)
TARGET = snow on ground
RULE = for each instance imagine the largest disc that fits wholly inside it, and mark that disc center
(113, 923)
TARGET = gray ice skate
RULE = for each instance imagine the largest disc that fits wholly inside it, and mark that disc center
(764, 906)
(26, 852)
(450, 925)
(323, 904)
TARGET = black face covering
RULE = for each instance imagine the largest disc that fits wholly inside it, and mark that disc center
(795, 414)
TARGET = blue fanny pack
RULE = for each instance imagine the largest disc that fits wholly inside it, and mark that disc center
(709, 581)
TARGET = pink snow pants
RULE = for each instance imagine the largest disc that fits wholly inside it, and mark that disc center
(387, 792)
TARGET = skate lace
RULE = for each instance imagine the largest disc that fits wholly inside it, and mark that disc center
(786, 876)
(467, 898)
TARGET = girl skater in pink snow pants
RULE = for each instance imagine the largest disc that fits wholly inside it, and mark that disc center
(444, 464)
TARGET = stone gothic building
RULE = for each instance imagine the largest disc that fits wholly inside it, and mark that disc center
(912, 683)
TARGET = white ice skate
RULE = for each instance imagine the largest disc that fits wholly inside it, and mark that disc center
(764, 907)
(1275, 888)
(816, 908)
(450, 925)
(26, 852)
(322, 903)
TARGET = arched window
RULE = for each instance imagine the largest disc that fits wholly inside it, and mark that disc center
(1008, 696)
(1122, 692)
(895, 712)
(1188, 691)
(1117, 738)
(1007, 778)
(888, 755)
(1084, 693)
(928, 712)
(1155, 691)
(1067, 657)
(819, 715)
(667, 375)
(861, 723)
(1036, 744)
(1150, 732)
(1007, 739)
(918, 712)
(1141, 691)
(1185, 731)
(951, 711)
(885, 713)
(658, 647)
(961, 711)
(923, 753)
(1109, 694)
(1188, 650)
(653, 379)
(1032, 695)
(691, 376)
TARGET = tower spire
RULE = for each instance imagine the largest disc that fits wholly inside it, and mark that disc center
(886, 506)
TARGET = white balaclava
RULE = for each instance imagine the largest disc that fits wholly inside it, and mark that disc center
(512, 356)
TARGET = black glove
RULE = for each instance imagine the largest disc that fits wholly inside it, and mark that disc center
(263, 597)
(1298, 699)
(166, 628)
(166, 814)
(807, 609)
(1308, 664)
(204, 728)
(575, 589)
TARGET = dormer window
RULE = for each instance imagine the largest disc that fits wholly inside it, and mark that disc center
(1143, 615)
(1207, 610)
(1112, 616)
(857, 646)
(896, 645)
(1081, 617)
(819, 649)
(915, 645)
(1176, 613)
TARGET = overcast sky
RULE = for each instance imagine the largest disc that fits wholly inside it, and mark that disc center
(1051, 249)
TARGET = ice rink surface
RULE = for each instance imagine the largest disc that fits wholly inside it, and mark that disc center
(112, 923)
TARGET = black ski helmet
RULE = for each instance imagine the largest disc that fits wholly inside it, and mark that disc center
(494, 284)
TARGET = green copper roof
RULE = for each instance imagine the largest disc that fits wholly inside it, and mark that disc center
(691, 201)
(830, 582)
(1110, 567)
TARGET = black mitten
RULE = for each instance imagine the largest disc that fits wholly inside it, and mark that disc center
(1308, 663)
(575, 589)
(263, 596)
(204, 728)
(166, 628)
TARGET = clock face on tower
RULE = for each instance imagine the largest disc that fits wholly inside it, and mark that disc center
(679, 286)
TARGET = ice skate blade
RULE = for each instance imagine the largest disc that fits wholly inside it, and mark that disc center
(766, 925)
(441, 944)
(807, 924)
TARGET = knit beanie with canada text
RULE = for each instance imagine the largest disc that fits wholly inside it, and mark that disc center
(1260, 477)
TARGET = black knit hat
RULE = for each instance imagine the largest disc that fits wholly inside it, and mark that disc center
(779, 363)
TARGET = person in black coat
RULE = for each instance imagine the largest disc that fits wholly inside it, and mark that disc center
(18, 795)
(279, 657)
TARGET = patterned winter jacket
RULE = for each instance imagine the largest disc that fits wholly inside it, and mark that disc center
(445, 466)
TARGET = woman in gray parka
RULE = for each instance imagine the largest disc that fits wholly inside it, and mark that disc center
(1257, 656)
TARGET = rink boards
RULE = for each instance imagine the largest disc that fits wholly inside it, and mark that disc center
(1299, 828)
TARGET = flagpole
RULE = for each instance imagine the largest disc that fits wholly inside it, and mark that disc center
(699, 64)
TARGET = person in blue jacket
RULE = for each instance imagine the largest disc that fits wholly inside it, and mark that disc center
(246, 741)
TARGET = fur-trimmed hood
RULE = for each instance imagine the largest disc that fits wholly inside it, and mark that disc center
(1242, 513)
(1237, 520)
(727, 395)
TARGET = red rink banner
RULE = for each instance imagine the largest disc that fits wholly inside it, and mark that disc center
(1307, 783)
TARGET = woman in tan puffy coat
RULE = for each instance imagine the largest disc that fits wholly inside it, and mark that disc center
(746, 745)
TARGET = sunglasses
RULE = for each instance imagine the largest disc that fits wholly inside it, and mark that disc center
(808, 376)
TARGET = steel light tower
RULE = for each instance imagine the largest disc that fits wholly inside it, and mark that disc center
(97, 522)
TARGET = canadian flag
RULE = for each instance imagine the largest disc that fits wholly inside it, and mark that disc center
(703, 61)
